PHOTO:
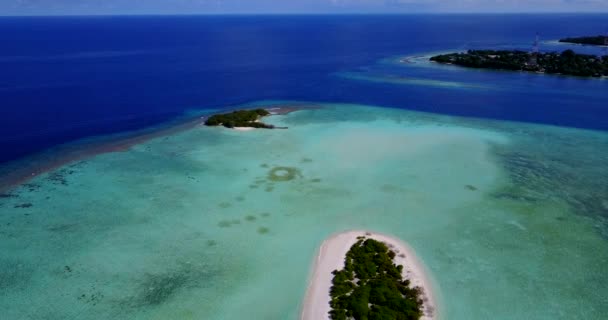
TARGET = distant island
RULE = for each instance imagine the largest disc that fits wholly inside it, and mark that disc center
(594, 41)
(240, 119)
(565, 63)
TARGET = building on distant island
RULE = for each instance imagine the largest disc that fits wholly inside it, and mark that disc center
(533, 61)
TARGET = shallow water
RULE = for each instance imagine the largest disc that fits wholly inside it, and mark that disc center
(211, 223)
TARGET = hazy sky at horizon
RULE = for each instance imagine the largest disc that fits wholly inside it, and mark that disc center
(67, 7)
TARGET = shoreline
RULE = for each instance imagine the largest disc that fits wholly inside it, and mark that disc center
(331, 257)
(19, 171)
(243, 128)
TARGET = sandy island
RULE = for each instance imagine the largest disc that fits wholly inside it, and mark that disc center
(331, 257)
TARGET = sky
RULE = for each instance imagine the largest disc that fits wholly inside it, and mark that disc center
(111, 7)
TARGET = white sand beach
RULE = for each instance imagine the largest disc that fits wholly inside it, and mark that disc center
(331, 257)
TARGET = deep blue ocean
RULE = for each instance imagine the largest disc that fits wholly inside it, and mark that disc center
(65, 78)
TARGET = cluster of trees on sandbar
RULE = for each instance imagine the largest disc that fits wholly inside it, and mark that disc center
(596, 41)
(371, 286)
(566, 63)
(240, 118)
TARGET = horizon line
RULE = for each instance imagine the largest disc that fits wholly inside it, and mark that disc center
(308, 14)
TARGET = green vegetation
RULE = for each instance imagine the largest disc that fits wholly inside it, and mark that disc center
(371, 286)
(596, 41)
(240, 118)
(566, 63)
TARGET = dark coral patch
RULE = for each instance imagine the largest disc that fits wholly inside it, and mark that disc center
(158, 289)
(228, 223)
(58, 177)
(224, 224)
(31, 187)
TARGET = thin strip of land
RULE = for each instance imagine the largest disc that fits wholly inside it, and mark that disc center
(22, 170)
(565, 63)
(592, 40)
(332, 257)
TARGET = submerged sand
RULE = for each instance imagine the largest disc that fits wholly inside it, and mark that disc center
(331, 257)
(23, 170)
(195, 225)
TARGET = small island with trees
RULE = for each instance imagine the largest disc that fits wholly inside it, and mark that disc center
(593, 40)
(240, 119)
(371, 286)
(565, 63)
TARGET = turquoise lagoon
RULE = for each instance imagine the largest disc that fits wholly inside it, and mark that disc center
(211, 223)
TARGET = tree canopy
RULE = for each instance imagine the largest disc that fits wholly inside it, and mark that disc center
(240, 118)
(596, 41)
(566, 63)
(371, 286)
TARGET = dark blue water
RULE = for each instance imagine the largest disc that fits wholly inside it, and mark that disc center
(66, 78)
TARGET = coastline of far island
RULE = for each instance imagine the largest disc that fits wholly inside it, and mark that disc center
(589, 40)
(242, 120)
(565, 63)
(363, 275)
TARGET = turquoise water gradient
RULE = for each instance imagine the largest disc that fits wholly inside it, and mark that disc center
(507, 217)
